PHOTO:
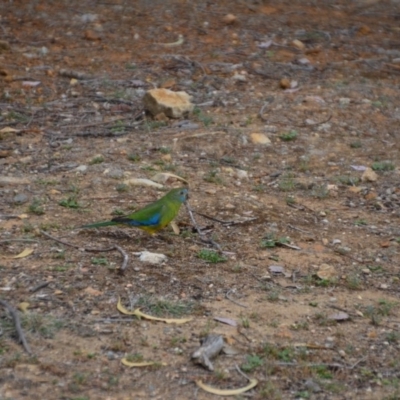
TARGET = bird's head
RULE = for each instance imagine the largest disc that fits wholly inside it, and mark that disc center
(180, 194)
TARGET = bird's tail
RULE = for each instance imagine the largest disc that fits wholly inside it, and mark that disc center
(99, 224)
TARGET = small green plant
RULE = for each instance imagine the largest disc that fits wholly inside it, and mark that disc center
(288, 136)
(134, 157)
(96, 160)
(151, 125)
(360, 222)
(164, 150)
(270, 241)
(69, 202)
(99, 261)
(383, 166)
(134, 358)
(252, 363)
(320, 191)
(205, 119)
(323, 372)
(393, 337)
(118, 212)
(119, 127)
(36, 207)
(259, 188)
(348, 180)
(212, 177)
(122, 187)
(287, 182)
(45, 326)
(245, 322)
(356, 144)
(353, 282)
(210, 256)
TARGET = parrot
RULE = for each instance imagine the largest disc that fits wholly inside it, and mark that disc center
(152, 217)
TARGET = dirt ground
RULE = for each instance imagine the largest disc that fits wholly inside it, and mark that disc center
(291, 154)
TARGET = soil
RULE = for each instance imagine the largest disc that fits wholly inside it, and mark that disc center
(300, 246)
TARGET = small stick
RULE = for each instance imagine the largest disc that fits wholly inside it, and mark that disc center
(202, 238)
(17, 324)
(40, 286)
(232, 300)
(224, 222)
(19, 240)
(114, 247)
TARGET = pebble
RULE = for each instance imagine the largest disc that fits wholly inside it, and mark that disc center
(20, 198)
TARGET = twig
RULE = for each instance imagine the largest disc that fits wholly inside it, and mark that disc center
(298, 229)
(114, 247)
(125, 258)
(233, 300)
(40, 286)
(17, 324)
(19, 240)
(202, 238)
(224, 222)
(241, 372)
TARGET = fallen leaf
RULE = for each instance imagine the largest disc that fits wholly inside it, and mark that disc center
(175, 227)
(92, 292)
(7, 129)
(24, 254)
(227, 392)
(127, 363)
(23, 306)
(139, 314)
(163, 177)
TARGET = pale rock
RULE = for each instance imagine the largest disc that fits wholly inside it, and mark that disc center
(299, 44)
(151, 258)
(242, 174)
(81, 168)
(172, 104)
(260, 138)
(326, 271)
(369, 175)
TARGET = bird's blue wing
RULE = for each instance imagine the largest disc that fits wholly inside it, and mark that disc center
(152, 220)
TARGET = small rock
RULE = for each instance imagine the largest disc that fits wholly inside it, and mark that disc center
(115, 173)
(344, 101)
(384, 286)
(81, 168)
(239, 77)
(299, 44)
(152, 258)
(20, 198)
(172, 104)
(284, 83)
(229, 19)
(369, 175)
(326, 271)
(260, 138)
(242, 174)
(312, 386)
(336, 241)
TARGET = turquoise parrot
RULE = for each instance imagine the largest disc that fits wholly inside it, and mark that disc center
(154, 216)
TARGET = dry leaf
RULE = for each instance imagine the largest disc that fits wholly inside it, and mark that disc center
(163, 177)
(24, 254)
(141, 364)
(175, 227)
(227, 392)
(139, 314)
(23, 306)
